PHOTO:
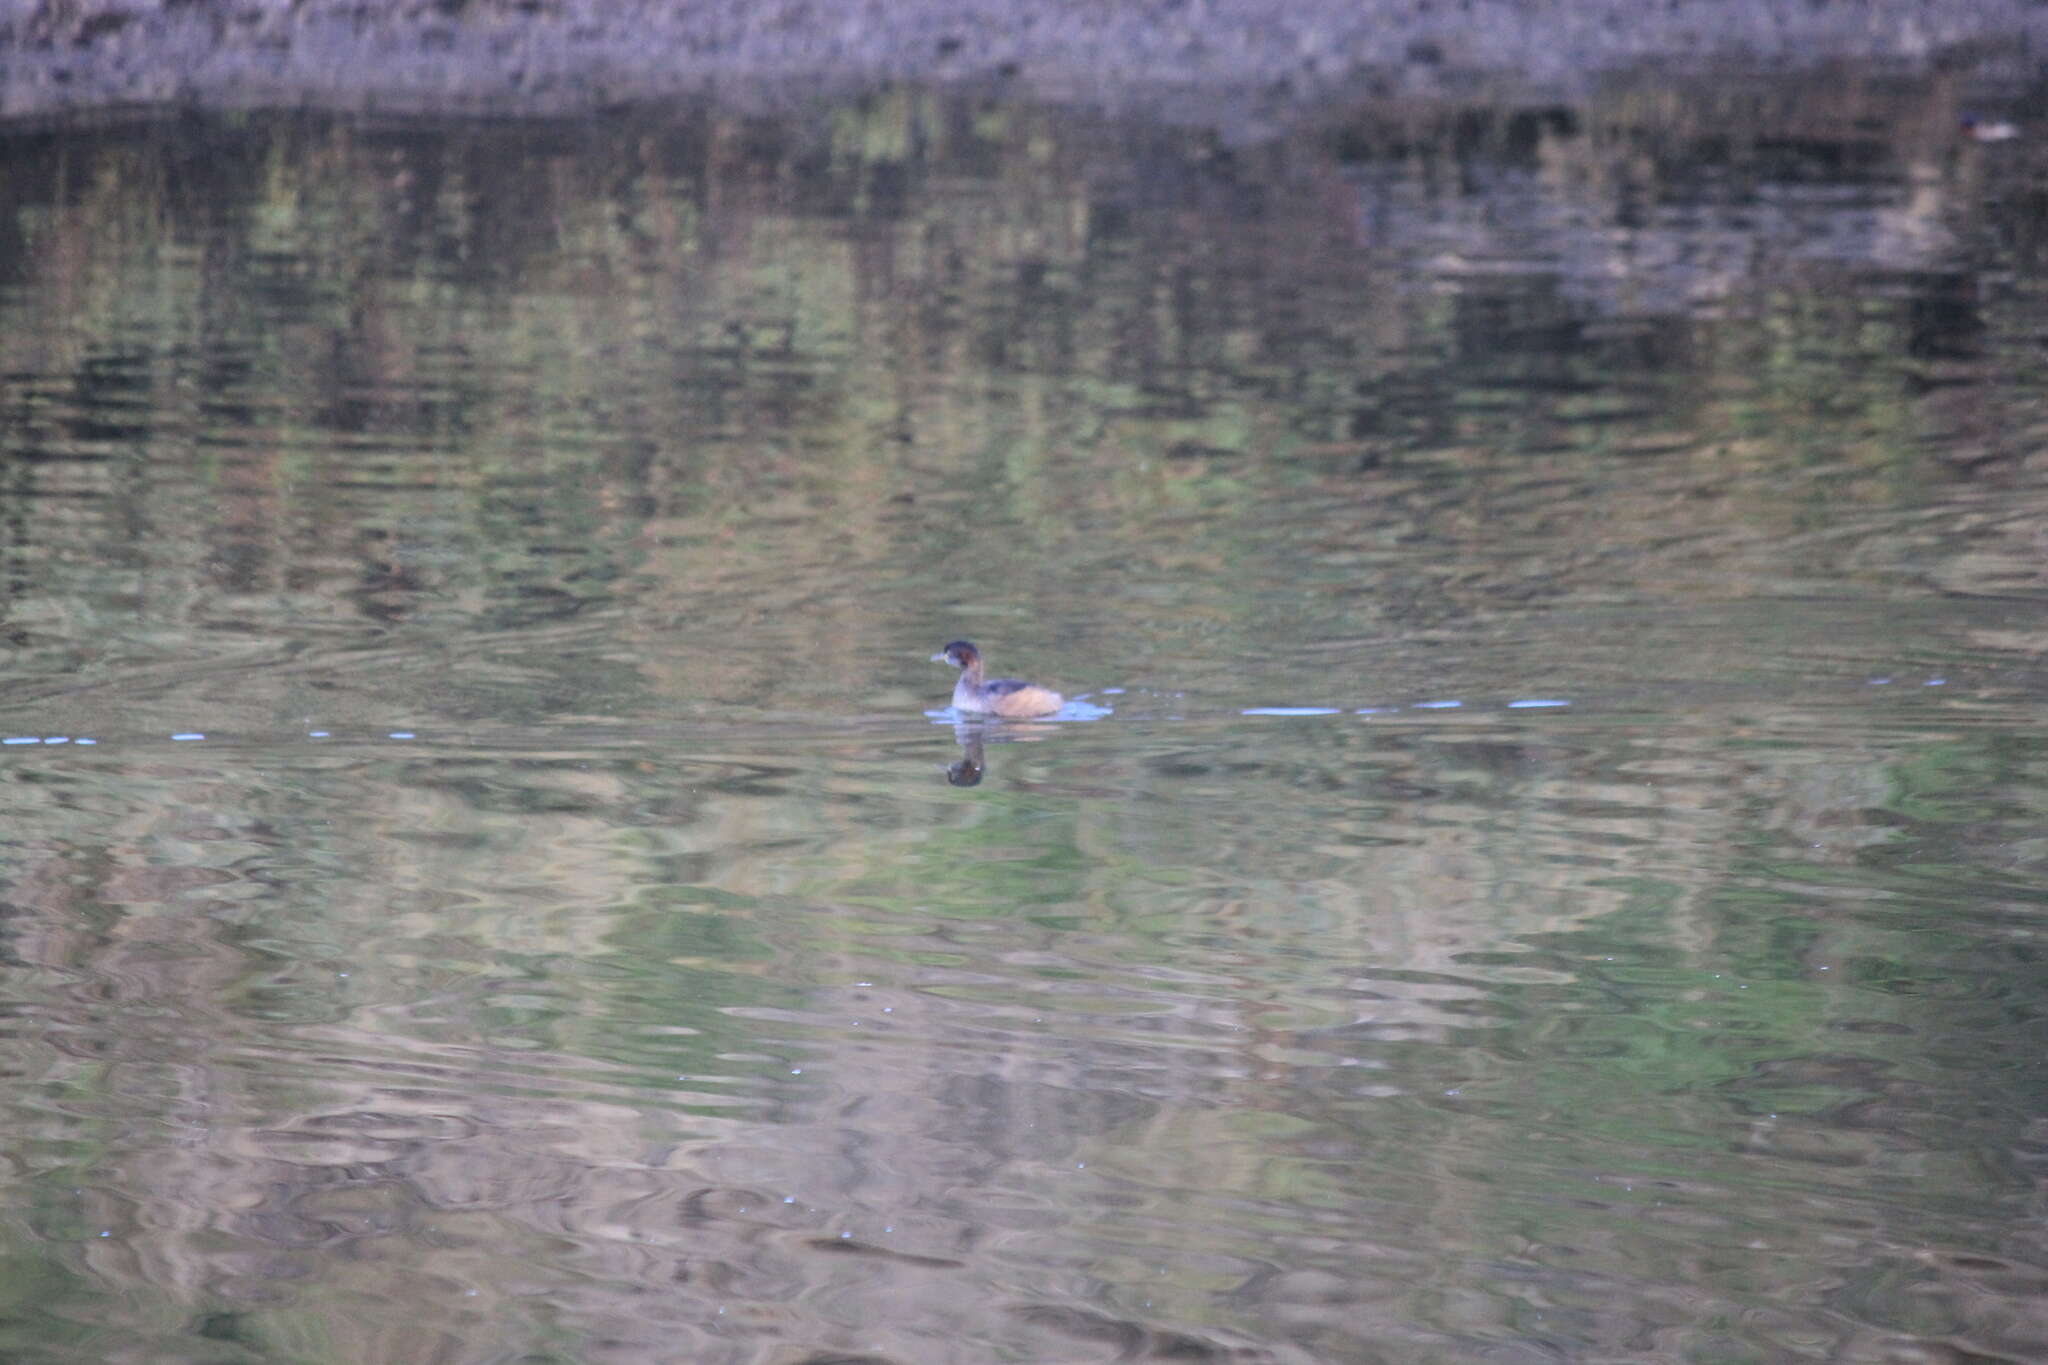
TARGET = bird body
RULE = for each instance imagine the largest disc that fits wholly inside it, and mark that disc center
(1011, 698)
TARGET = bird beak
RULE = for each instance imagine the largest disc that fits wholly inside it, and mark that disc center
(939, 657)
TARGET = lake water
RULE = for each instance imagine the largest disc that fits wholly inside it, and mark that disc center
(572, 929)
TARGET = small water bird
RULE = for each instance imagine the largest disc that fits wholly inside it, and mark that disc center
(998, 696)
(1988, 130)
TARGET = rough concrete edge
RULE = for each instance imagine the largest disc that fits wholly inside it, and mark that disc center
(397, 65)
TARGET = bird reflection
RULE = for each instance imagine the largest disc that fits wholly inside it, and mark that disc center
(973, 737)
(967, 769)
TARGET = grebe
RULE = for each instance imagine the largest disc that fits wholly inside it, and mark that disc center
(998, 696)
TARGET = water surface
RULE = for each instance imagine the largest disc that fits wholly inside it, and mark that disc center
(572, 930)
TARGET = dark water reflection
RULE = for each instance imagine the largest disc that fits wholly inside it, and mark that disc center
(675, 988)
